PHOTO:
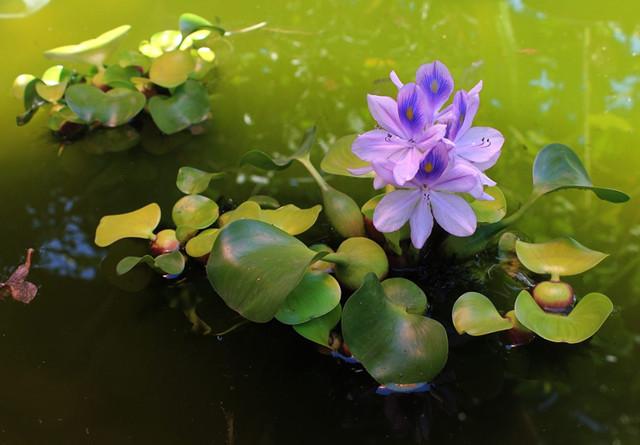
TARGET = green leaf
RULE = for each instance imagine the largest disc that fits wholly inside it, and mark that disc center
(113, 108)
(393, 344)
(188, 105)
(490, 211)
(93, 51)
(128, 263)
(559, 257)
(254, 266)
(265, 201)
(134, 59)
(201, 244)
(61, 116)
(190, 23)
(316, 295)
(171, 69)
(406, 294)
(20, 84)
(166, 41)
(339, 159)
(171, 263)
(32, 102)
(53, 83)
(343, 213)
(357, 257)
(319, 329)
(289, 218)
(557, 167)
(475, 314)
(116, 76)
(264, 161)
(192, 180)
(581, 323)
(137, 224)
(195, 211)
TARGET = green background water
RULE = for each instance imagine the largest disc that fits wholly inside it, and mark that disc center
(90, 363)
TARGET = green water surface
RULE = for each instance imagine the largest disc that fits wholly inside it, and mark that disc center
(88, 362)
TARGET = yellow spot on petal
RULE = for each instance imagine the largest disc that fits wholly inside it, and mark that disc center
(428, 167)
(434, 86)
(409, 113)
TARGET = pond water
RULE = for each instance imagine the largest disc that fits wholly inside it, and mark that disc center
(88, 362)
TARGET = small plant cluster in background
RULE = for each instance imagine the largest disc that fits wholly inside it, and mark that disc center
(161, 84)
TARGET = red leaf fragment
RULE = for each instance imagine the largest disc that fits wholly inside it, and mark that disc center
(16, 286)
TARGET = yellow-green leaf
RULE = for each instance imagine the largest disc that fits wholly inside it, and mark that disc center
(171, 69)
(92, 51)
(475, 314)
(201, 245)
(137, 224)
(491, 211)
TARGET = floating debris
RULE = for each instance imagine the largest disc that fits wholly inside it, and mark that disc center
(16, 286)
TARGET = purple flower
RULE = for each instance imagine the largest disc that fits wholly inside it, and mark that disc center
(431, 194)
(404, 136)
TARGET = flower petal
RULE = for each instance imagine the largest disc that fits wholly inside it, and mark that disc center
(437, 84)
(412, 109)
(385, 111)
(480, 145)
(421, 223)
(453, 213)
(384, 174)
(406, 168)
(395, 209)
(376, 145)
(395, 79)
(460, 177)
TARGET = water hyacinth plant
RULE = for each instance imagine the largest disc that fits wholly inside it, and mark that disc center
(161, 84)
(348, 295)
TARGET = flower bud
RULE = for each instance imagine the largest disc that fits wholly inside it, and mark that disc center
(165, 242)
(554, 296)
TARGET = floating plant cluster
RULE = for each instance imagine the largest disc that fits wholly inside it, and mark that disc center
(431, 162)
(161, 85)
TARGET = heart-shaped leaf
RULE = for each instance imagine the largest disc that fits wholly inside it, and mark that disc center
(581, 323)
(61, 116)
(340, 159)
(171, 263)
(316, 295)
(319, 329)
(393, 344)
(254, 266)
(171, 69)
(192, 180)
(127, 264)
(195, 211)
(355, 258)
(559, 257)
(557, 167)
(475, 314)
(406, 294)
(201, 244)
(113, 108)
(93, 51)
(188, 105)
(137, 224)
(116, 76)
(490, 211)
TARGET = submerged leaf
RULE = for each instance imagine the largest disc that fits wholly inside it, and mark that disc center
(475, 314)
(339, 160)
(93, 51)
(557, 167)
(137, 224)
(17, 286)
(316, 295)
(559, 257)
(393, 344)
(254, 266)
(581, 323)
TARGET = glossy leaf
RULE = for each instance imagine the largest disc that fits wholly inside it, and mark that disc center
(171, 263)
(289, 218)
(137, 224)
(339, 159)
(581, 323)
(190, 23)
(254, 266)
(475, 314)
(357, 257)
(559, 257)
(188, 105)
(53, 83)
(171, 69)
(394, 344)
(557, 167)
(128, 263)
(343, 213)
(192, 180)
(201, 244)
(195, 211)
(406, 294)
(113, 108)
(319, 329)
(93, 51)
(316, 295)
(490, 211)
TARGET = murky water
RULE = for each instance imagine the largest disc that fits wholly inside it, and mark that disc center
(90, 363)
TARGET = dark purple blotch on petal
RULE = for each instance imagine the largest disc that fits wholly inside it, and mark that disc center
(434, 164)
(437, 84)
(458, 115)
(411, 109)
